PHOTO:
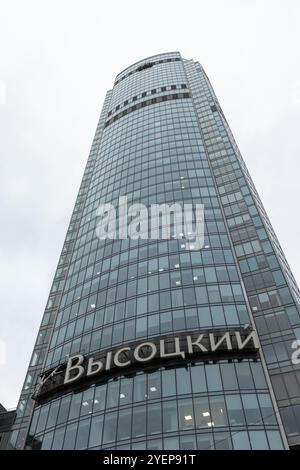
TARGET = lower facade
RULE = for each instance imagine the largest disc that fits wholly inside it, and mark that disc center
(195, 405)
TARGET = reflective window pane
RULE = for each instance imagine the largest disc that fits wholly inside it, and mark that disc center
(170, 422)
(83, 434)
(124, 424)
(70, 437)
(96, 431)
(109, 429)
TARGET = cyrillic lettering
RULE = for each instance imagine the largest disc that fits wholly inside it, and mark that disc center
(71, 367)
(214, 346)
(197, 343)
(177, 351)
(94, 367)
(136, 352)
(252, 336)
(108, 360)
(117, 362)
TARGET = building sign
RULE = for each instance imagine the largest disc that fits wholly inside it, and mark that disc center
(206, 344)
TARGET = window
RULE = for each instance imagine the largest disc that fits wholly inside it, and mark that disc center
(258, 440)
(235, 410)
(241, 441)
(266, 408)
(228, 376)
(223, 441)
(87, 402)
(144, 66)
(113, 394)
(126, 386)
(139, 421)
(47, 441)
(170, 422)
(186, 414)
(171, 443)
(154, 419)
(202, 413)
(251, 408)
(124, 424)
(213, 377)
(183, 381)
(82, 434)
(244, 375)
(258, 375)
(168, 383)
(140, 388)
(205, 442)
(75, 405)
(96, 431)
(58, 439)
(110, 426)
(154, 387)
(70, 437)
(42, 419)
(188, 443)
(198, 379)
(274, 439)
(63, 410)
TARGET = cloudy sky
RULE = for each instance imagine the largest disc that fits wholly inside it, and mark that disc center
(57, 59)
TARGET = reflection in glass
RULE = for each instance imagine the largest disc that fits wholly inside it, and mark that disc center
(186, 414)
(171, 443)
(70, 437)
(99, 398)
(205, 442)
(218, 412)
(126, 391)
(241, 441)
(170, 422)
(58, 439)
(83, 434)
(258, 440)
(124, 424)
(223, 441)
(110, 426)
(139, 421)
(154, 419)
(96, 431)
(251, 408)
(202, 413)
(168, 383)
(235, 410)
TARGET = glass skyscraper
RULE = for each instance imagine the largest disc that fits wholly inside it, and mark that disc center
(127, 316)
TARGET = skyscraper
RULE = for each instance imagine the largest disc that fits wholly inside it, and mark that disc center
(6, 420)
(153, 342)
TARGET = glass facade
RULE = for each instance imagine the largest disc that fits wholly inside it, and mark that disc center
(162, 138)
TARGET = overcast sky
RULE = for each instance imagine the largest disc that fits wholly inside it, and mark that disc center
(58, 58)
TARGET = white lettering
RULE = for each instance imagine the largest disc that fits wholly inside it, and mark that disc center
(252, 336)
(214, 346)
(108, 360)
(94, 367)
(197, 343)
(296, 354)
(117, 362)
(177, 351)
(71, 367)
(143, 358)
(78, 366)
